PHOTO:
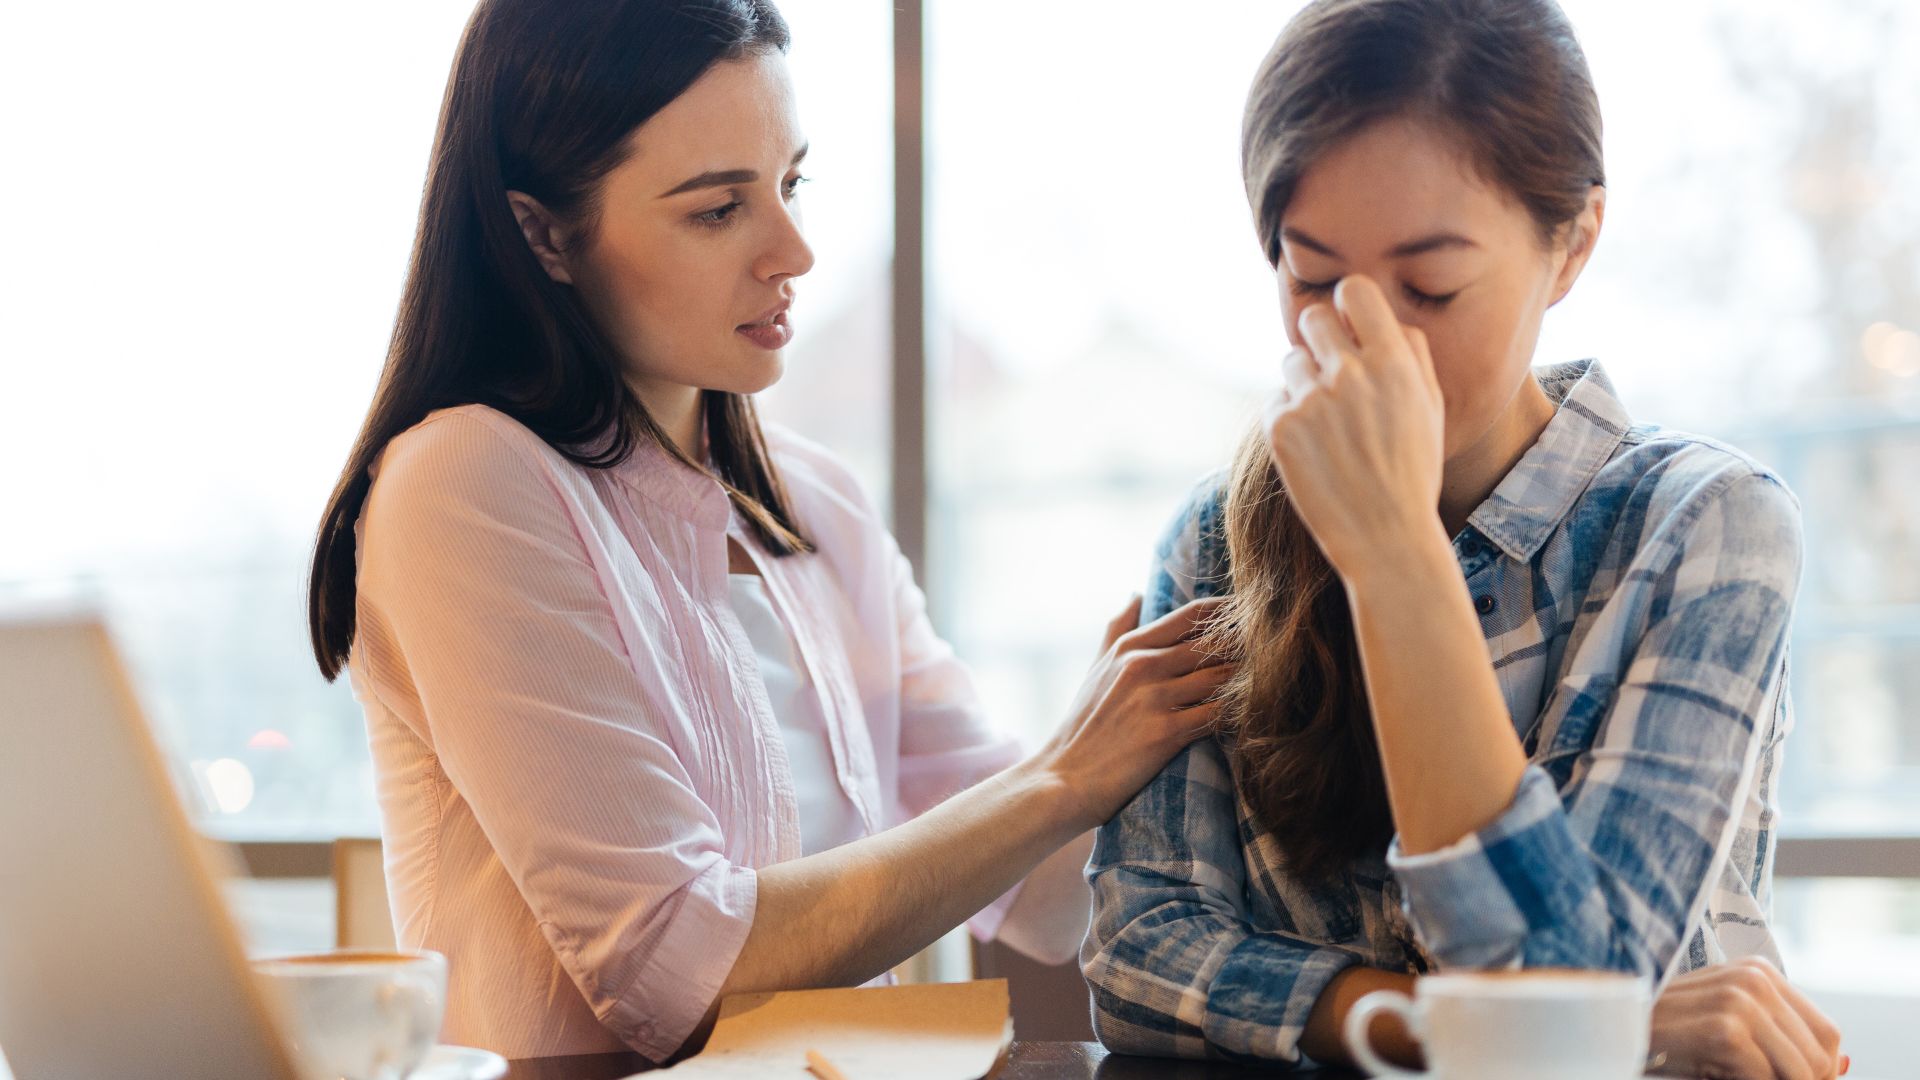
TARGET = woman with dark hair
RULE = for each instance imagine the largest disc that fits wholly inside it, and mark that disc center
(655, 710)
(1511, 669)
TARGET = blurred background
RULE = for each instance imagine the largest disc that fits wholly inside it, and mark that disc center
(213, 202)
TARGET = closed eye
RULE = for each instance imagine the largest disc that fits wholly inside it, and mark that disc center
(1420, 299)
(1428, 300)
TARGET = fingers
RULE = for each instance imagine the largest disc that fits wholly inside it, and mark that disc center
(1300, 372)
(1192, 723)
(1363, 320)
(1174, 627)
(1123, 622)
(1784, 1054)
(1728, 1050)
(1367, 311)
(1417, 343)
(1796, 1018)
(1195, 687)
(1744, 1020)
(1326, 335)
(1823, 1030)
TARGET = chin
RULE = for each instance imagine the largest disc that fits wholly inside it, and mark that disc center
(759, 373)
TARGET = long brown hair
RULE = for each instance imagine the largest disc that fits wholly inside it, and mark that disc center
(1507, 80)
(542, 97)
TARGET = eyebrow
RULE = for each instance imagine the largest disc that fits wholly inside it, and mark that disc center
(727, 177)
(1437, 242)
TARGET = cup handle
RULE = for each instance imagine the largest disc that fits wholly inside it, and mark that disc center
(1361, 1018)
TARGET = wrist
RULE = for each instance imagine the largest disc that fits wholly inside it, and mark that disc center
(1324, 1038)
(1419, 557)
(1044, 788)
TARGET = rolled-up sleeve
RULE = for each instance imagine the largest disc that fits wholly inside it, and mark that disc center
(1619, 827)
(1176, 967)
(473, 565)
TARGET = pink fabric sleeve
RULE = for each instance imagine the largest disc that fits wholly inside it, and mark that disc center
(471, 557)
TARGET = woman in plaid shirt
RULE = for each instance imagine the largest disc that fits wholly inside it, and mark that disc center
(1538, 728)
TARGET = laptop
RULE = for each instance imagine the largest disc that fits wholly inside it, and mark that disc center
(117, 954)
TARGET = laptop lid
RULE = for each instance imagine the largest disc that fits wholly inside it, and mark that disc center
(117, 954)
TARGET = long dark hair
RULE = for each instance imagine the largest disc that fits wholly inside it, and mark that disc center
(542, 98)
(1507, 80)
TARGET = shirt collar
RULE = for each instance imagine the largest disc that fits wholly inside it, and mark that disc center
(1537, 494)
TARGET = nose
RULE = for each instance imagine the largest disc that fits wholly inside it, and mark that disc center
(1386, 276)
(787, 253)
(1404, 309)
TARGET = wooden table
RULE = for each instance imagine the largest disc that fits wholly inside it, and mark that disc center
(1026, 1061)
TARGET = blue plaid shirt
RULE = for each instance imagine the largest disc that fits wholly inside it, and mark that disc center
(1635, 587)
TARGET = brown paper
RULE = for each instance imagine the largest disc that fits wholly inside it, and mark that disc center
(932, 1031)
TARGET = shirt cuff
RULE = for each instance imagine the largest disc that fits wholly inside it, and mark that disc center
(985, 924)
(1473, 903)
(1259, 1001)
(686, 967)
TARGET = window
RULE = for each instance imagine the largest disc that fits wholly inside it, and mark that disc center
(227, 194)
(1107, 333)
(224, 195)
(1094, 276)
(836, 387)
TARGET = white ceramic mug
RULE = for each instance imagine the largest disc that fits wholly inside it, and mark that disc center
(359, 1014)
(1516, 1025)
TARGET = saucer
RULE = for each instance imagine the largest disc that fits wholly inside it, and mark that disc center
(460, 1063)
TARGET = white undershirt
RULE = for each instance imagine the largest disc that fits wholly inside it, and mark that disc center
(827, 818)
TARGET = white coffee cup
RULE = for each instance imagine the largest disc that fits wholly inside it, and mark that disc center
(1516, 1025)
(359, 1014)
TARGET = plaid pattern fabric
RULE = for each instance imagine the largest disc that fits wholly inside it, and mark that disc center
(1635, 587)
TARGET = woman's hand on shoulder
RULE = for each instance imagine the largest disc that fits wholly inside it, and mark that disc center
(1743, 1021)
(1148, 695)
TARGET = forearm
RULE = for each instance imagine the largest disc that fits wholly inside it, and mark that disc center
(1324, 1039)
(1447, 745)
(843, 916)
(1049, 917)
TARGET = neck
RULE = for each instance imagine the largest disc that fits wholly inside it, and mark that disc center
(676, 409)
(1471, 475)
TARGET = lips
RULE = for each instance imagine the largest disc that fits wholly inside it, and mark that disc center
(772, 330)
(767, 317)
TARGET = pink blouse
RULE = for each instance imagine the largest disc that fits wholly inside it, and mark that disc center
(578, 770)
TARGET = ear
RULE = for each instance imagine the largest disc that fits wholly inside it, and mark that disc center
(546, 235)
(1582, 234)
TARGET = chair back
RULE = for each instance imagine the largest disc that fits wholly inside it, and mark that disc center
(362, 917)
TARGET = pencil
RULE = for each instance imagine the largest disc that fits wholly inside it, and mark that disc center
(818, 1065)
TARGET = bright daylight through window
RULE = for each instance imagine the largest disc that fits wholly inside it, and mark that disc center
(1102, 327)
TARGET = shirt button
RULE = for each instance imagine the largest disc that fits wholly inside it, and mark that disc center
(1485, 604)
